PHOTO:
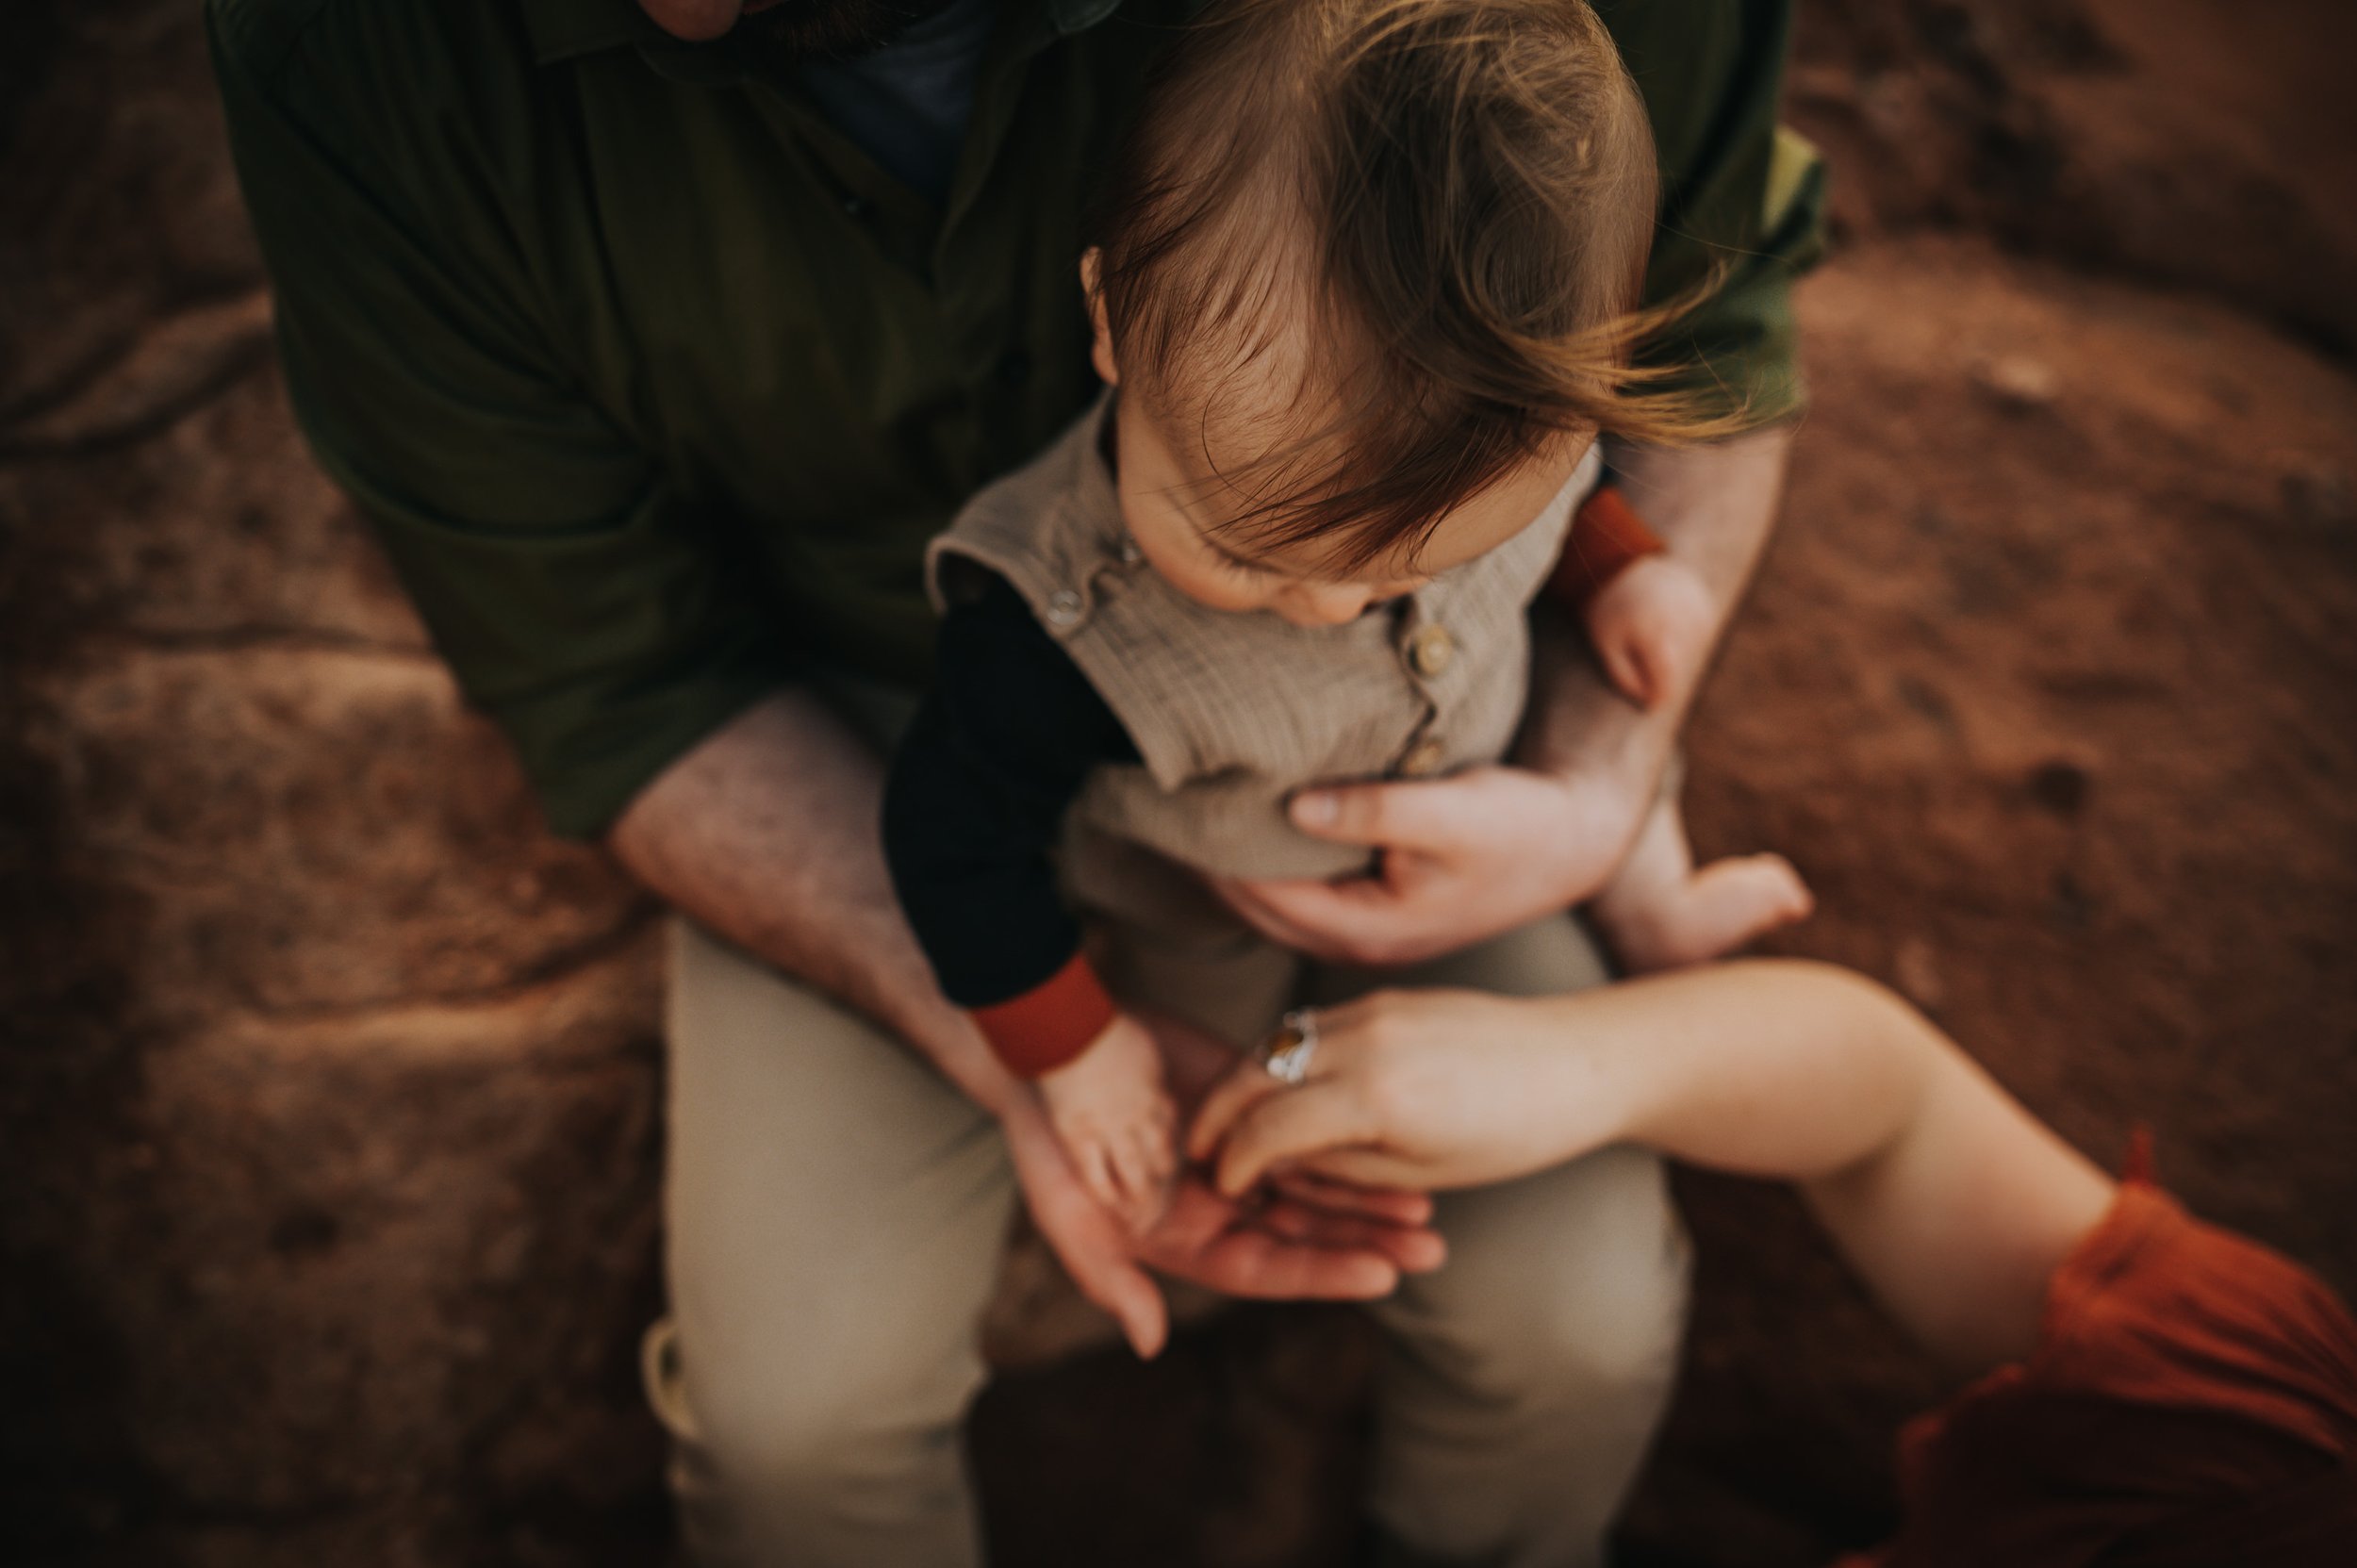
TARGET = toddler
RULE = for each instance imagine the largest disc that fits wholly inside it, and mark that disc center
(1362, 293)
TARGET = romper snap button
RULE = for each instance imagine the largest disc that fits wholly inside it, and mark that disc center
(1423, 758)
(1431, 650)
(1063, 607)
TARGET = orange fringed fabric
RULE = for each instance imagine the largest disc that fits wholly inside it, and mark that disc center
(2192, 1404)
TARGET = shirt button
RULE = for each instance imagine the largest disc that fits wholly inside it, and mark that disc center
(1063, 607)
(1131, 554)
(1429, 651)
(1425, 758)
(854, 206)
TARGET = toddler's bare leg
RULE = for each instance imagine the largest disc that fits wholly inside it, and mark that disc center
(1658, 911)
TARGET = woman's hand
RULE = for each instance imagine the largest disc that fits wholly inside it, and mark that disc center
(1419, 1089)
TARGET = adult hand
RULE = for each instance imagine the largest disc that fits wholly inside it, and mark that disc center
(1193, 1062)
(1419, 1089)
(1464, 859)
(1312, 1237)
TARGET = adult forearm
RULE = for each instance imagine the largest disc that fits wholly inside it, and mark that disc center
(1776, 1068)
(766, 834)
(1714, 507)
(1952, 1202)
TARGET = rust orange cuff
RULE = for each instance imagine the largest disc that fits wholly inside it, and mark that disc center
(1052, 1023)
(1605, 537)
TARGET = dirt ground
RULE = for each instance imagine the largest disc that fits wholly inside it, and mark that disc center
(329, 1084)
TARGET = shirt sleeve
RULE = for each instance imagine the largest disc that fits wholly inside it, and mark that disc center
(1743, 199)
(582, 602)
(975, 804)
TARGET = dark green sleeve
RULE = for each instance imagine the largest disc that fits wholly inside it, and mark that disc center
(1742, 203)
(580, 601)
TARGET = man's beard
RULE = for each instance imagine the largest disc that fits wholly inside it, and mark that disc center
(832, 29)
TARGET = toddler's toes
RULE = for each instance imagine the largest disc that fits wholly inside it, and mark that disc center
(1725, 905)
(1785, 898)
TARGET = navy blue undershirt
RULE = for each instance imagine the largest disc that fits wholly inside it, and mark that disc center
(975, 805)
(906, 104)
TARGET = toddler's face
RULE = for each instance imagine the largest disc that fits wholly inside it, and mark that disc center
(1177, 513)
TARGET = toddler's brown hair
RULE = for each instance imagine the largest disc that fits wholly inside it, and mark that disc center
(1441, 210)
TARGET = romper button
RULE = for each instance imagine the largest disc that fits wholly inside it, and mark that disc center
(1063, 607)
(1423, 758)
(1431, 650)
(1131, 554)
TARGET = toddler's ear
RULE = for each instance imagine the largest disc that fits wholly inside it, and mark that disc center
(1101, 347)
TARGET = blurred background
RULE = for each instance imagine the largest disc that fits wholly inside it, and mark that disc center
(329, 1084)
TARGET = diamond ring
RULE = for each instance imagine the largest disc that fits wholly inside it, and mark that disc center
(1286, 1054)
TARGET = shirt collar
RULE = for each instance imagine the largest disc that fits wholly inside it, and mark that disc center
(563, 30)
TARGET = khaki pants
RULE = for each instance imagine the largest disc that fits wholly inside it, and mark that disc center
(836, 1212)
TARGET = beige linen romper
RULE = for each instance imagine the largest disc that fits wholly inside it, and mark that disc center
(1232, 713)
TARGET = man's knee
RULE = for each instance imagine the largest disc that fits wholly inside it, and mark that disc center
(850, 1419)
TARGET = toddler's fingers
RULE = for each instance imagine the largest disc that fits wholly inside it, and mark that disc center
(1125, 1156)
(1102, 1176)
(1158, 1153)
(1145, 1168)
(1145, 1175)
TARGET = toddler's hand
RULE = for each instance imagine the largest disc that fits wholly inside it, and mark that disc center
(1651, 626)
(1117, 1125)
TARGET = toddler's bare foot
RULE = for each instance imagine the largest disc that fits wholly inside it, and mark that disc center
(1712, 912)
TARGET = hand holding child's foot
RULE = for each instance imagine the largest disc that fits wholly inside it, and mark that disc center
(1116, 1123)
(1651, 626)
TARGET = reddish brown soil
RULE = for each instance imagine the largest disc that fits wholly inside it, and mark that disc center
(329, 1085)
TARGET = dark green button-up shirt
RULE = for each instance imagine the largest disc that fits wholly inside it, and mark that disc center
(654, 385)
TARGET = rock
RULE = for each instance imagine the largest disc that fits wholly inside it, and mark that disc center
(217, 533)
(166, 372)
(2198, 142)
(330, 1227)
(2315, 491)
(315, 829)
(349, 1272)
(2018, 382)
(122, 205)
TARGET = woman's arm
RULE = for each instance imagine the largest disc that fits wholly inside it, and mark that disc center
(1952, 1202)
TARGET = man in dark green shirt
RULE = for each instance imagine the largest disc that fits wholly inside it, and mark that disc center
(654, 356)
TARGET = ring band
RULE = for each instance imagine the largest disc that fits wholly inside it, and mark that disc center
(1285, 1055)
